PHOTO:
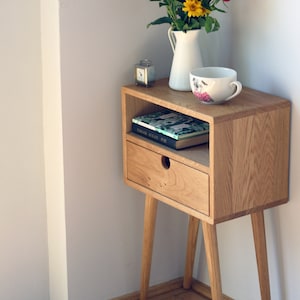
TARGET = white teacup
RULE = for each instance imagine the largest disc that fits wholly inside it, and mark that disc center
(214, 85)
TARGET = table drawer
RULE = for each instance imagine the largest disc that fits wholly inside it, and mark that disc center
(168, 177)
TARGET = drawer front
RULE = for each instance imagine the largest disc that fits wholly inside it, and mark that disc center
(168, 177)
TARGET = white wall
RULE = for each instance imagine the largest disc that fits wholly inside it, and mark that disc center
(23, 235)
(99, 46)
(260, 40)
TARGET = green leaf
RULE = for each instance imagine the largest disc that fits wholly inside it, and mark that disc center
(162, 4)
(201, 22)
(159, 21)
(194, 24)
(218, 9)
(211, 24)
(216, 26)
(208, 24)
(205, 3)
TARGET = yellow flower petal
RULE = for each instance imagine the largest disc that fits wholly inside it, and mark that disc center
(194, 8)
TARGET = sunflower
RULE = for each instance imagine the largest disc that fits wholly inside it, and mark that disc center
(184, 15)
(194, 8)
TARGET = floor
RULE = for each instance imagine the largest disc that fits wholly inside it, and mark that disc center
(179, 294)
(172, 290)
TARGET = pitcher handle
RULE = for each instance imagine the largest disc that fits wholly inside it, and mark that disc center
(172, 38)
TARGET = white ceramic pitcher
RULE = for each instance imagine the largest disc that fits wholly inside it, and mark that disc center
(187, 56)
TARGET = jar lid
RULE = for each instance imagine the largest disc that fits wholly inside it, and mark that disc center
(146, 62)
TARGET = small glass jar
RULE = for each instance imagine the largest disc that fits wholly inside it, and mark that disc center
(144, 73)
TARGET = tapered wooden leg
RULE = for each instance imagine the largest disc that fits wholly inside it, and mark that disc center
(258, 227)
(149, 228)
(190, 251)
(212, 256)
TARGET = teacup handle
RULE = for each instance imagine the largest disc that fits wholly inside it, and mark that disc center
(238, 89)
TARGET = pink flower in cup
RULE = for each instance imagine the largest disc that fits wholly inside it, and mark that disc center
(203, 96)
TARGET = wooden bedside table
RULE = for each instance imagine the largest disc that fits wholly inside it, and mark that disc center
(243, 170)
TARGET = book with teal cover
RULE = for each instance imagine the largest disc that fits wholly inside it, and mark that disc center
(168, 141)
(173, 124)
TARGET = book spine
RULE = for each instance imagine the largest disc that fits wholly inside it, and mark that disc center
(154, 135)
(141, 123)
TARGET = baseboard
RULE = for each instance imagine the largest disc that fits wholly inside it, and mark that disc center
(165, 287)
(204, 290)
(155, 290)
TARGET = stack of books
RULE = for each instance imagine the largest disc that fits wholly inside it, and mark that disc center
(171, 129)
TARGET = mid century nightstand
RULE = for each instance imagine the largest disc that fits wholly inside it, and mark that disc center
(243, 170)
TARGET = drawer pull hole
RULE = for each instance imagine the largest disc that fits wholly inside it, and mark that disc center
(165, 162)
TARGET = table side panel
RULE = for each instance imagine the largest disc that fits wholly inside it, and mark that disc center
(131, 107)
(250, 163)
